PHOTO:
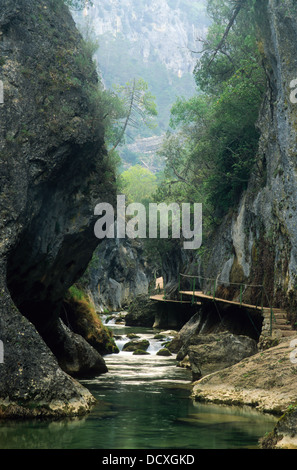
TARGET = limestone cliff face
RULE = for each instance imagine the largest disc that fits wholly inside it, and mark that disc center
(166, 29)
(53, 171)
(258, 243)
(118, 273)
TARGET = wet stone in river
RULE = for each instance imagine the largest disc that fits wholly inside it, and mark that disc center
(142, 344)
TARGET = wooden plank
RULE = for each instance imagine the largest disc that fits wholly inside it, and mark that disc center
(160, 298)
(231, 302)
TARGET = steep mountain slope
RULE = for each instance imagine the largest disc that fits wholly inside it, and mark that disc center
(161, 30)
(153, 40)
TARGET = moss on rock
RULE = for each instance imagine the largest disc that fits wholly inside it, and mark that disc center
(136, 345)
(164, 352)
(79, 312)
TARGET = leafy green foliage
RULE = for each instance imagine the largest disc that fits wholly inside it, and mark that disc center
(116, 62)
(212, 147)
(79, 313)
(138, 183)
(137, 106)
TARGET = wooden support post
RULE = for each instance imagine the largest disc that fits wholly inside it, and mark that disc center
(214, 290)
(193, 297)
(272, 319)
(181, 295)
(240, 294)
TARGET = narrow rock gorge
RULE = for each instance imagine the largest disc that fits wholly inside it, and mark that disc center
(119, 271)
(55, 275)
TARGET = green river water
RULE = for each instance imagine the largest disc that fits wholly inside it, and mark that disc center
(143, 403)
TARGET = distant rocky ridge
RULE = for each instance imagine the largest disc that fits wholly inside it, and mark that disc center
(152, 40)
(161, 29)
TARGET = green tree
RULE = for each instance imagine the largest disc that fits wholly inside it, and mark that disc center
(138, 184)
(213, 144)
(138, 107)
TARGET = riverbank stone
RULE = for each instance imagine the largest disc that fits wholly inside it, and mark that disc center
(266, 381)
(133, 336)
(214, 352)
(160, 336)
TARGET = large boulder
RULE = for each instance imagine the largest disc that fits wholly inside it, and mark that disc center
(164, 352)
(142, 312)
(135, 345)
(75, 356)
(283, 436)
(180, 341)
(80, 315)
(214, 352)
(54, 169)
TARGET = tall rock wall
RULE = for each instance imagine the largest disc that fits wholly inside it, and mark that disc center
(53, 171)
(257, 244)
(118, 273)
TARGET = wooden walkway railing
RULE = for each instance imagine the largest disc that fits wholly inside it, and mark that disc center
(273, 318)
(277, 316)
(240, 303)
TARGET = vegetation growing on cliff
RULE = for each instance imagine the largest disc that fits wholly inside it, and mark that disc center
(116, 64)
(79, 313)
(138, 108)
(213, 143)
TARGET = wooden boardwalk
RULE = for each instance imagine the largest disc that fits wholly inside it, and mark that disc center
(202, 296)
(276, 317)
(279, 316)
